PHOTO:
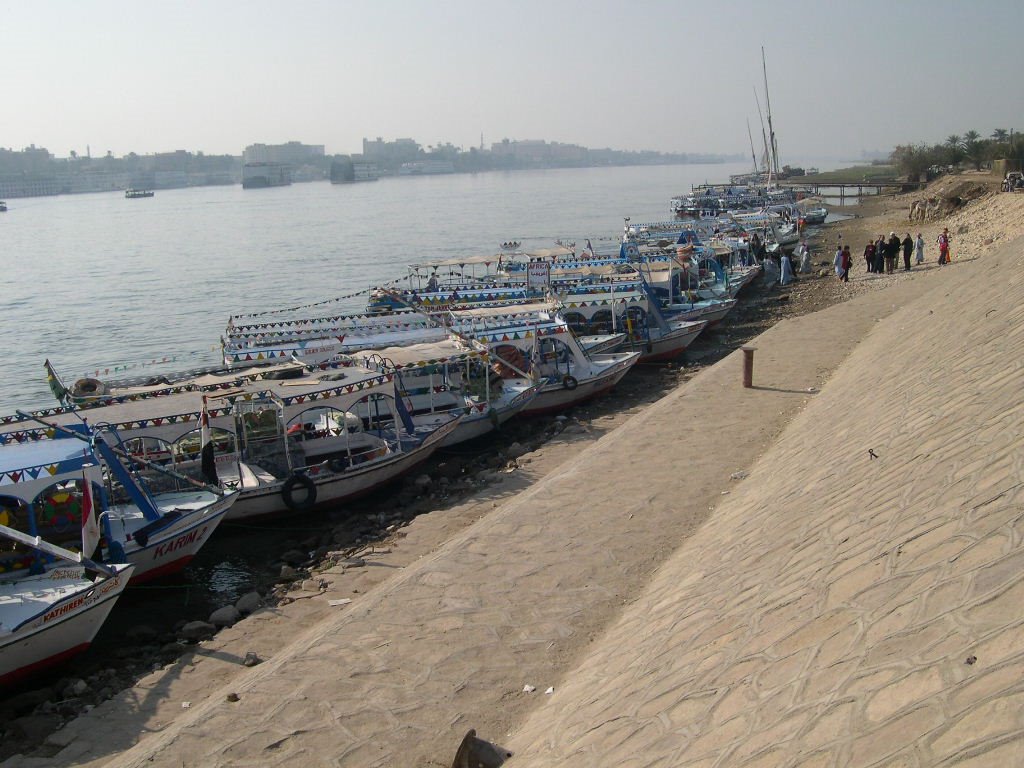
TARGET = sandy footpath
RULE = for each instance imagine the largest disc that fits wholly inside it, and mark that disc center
(527, 584)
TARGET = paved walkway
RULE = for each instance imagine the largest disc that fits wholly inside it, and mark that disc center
(755, 621)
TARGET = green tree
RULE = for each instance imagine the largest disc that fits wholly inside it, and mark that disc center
(913, 160)
(954, 149)
(975, 149)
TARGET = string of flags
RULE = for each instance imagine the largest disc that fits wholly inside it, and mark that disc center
(325, 302)
(35, 434)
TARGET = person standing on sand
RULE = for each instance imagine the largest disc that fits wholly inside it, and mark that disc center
(943, 241)
(919, 248)
(908, 248)
(786, 276)
(805, 258)
(880, 254)
(892, 252)
(869, 255)
(847, 264)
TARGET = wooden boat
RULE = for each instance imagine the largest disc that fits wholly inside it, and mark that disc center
(132, 194)
(53, 601)
(439, 379)
(158, 531)
(537, 342)
(286, 438)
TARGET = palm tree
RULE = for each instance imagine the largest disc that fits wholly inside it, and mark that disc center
(974, 149)
(955, 145)
(1000, 135)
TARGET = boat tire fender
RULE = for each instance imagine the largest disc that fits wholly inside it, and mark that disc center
(305, 502)
(569, 382)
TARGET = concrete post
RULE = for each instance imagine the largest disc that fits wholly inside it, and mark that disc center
(748, 366)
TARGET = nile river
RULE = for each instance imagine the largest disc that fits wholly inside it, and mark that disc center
(98, 283)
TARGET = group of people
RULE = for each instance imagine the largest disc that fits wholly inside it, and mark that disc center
(881, 255)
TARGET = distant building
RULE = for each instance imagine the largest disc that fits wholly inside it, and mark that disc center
(293, 153)
(260, 175)
(346, 170)
(426, 167)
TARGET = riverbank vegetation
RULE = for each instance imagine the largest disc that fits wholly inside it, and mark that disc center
(916, 160)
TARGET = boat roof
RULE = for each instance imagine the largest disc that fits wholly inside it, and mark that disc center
(462, 261)
(175, 410)
(517, 309)
(432, 353)
(57, 455)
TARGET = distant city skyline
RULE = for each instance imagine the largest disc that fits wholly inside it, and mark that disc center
(646, 76)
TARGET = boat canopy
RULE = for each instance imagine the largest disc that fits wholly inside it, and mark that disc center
(517, 309)
(22, 460)
(427, 354)
(463, 261)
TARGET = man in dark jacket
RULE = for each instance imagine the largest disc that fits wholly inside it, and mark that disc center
(892, 251)
(908, 248)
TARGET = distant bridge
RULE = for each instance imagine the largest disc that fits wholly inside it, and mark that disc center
(853, 188)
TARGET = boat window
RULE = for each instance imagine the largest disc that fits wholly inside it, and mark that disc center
(576, 322)
(151, 449)
(188, 446)
(57, 513)
(601, 322)
(14, 514)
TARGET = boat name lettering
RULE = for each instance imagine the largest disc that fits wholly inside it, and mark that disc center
(66, 573)
(66, 608)
(182, 541)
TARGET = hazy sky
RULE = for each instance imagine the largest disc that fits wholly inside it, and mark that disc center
(679, 75)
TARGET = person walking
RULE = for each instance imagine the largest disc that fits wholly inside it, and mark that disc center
(908, 248)
(786, 271)
(919, 249)
(943, 241)
(837, 262)
(869, 255)
(880, 254)
(847, 261)
(805, 258)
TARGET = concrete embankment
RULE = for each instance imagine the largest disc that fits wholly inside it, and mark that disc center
(857, 601)
(822, 612)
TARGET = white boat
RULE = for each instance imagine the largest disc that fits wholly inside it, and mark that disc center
(538, 343)
(53, 601)
(286, 438)
(156, 532)
(453, 376)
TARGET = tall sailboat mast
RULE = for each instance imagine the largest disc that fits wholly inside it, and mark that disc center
(767, 152)
(753, 154)
(774, 159)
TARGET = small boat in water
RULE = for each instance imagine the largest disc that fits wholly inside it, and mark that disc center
(53, 600)
(3, 206)
(131, 194)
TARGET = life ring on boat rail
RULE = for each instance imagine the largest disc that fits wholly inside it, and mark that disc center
(306, 500)
(569, 382)
(88, 388)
